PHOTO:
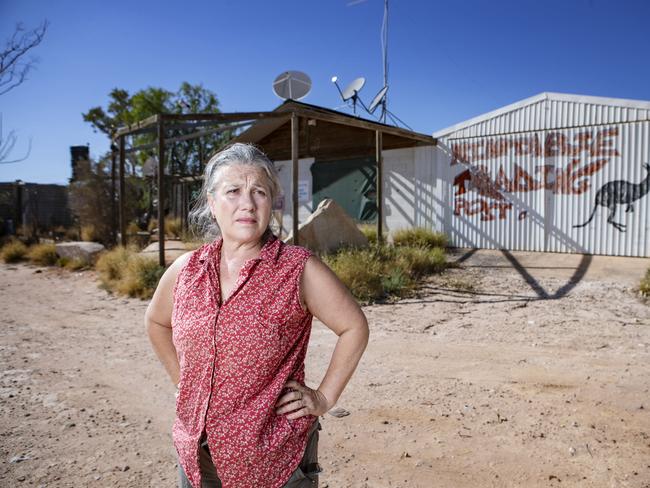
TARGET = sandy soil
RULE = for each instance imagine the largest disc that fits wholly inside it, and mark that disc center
(478, 382)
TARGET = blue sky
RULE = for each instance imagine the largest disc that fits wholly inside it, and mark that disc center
(449, 61)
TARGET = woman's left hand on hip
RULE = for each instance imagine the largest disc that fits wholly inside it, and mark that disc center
(301, 401)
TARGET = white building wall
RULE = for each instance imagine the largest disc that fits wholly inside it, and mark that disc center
(408, 188)
(525, 178)
(305, 192)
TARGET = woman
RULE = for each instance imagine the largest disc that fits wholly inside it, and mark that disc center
(231, 322)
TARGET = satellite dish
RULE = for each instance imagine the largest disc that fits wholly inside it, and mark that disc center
(379, 97)
(292, 85)
(352, 90)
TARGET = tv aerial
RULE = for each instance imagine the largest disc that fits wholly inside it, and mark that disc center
(352, 90)
(292, 85)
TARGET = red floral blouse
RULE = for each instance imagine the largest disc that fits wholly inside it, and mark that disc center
(235, 358)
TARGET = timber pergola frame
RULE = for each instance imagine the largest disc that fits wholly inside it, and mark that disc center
(201, 125)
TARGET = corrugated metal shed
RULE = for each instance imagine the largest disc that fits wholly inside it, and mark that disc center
(554, 172)
(550, 111)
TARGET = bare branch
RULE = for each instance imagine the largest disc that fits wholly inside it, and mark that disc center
(7, 145)
(14, 68)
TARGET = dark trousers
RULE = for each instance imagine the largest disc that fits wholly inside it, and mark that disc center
(305, 475)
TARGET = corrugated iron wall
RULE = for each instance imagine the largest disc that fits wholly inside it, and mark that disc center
(514, 188)
(549, 114)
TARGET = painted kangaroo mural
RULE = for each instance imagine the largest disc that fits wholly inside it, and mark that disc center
(619, 192)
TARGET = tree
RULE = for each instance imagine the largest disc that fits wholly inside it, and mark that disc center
(184, 157)
(14, 68)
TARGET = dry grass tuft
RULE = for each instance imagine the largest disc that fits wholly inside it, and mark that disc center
(420, 237)
(381, 272)
(644, 286)
(370, 231)
(43, 254)
(13, 251)
(126, 272)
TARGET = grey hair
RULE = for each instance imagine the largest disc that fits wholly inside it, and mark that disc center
(200, 218)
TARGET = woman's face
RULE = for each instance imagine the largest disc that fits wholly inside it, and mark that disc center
(241, 202)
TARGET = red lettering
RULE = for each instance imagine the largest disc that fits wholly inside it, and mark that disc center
(502, 182)
(548, 175)
(582, 142)
(580, 182)
(603, 145)
(555, 145)
(458, 153)
(522, 181)
(461, 204)
(476, 151)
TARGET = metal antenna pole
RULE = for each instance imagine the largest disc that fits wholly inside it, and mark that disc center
(384, 47)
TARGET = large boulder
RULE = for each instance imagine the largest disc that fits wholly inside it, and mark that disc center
(328, 228)
(79, 250)
(173, 249)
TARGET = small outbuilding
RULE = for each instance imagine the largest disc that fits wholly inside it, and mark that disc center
(338, 158)
(554, 172)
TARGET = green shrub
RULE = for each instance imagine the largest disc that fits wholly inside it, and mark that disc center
(397, 282)
(13, 251)
(140, 277)
(420, 261)
(420, 237)
(360, 271)
(644, 286)
(43, 254)
(111, 265)
(383, 271)
(126, 272)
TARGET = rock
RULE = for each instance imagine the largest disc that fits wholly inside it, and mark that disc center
(339, 412)
(19, 459)
(173, 249)
(572, 451)
(328, 229)
(81, 250)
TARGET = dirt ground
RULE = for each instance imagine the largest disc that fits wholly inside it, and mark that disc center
(512, 370)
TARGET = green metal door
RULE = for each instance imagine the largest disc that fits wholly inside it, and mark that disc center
(350, 183)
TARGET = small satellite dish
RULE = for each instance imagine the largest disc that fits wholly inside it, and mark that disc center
(353, 89)
(379, 97)
(292, 85)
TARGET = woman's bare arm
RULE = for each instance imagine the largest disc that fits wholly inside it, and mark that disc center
(158, 319)
(330, 302)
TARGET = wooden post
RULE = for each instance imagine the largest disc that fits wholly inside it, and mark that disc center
(113, 193)
(379, 182)
(294, 173)
(122, 194)
(161, 192)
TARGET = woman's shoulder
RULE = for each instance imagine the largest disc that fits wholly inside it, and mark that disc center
(193, 257)
(292, 252)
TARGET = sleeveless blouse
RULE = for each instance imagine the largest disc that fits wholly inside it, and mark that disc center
(235, 358)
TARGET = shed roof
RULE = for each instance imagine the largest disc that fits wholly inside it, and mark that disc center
(549, 110)
(326, 134)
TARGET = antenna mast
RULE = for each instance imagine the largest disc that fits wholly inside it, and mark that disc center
(384, 49)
